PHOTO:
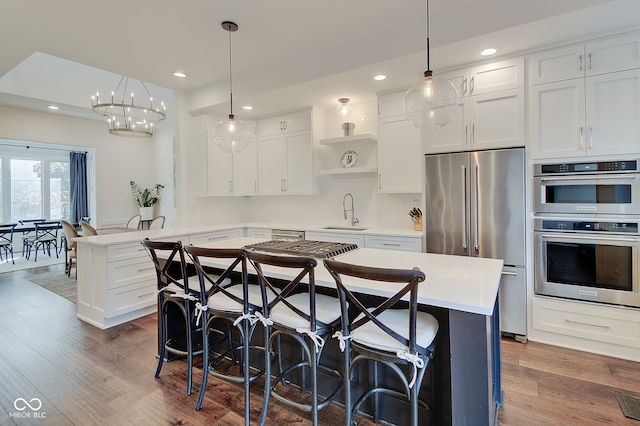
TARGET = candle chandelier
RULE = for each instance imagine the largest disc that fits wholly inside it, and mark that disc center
(124, 116)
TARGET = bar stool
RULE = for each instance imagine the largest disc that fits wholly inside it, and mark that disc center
(174, 295)
(228, 297)
(387, 336)
(306, 317)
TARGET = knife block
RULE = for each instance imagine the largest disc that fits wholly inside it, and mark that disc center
(418, 226)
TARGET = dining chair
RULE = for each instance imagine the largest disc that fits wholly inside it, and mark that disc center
(6, 241)
(303, 316)
(157, 222)
(175, 299)
(134, 222)
(70, 232)
(46, 235)
(226, 296)
(388, 334)
(87, 230)
(29, 231)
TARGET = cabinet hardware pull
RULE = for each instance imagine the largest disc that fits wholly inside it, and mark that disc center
(220, 237)
(579, 62)
(581, 144)
(145, 294)
(466, 133)
(464, 85)
(604, 327)
(146, 269)
(379, 181)
(589, 61)
(473, 133)
(511, 273)
(391, 244)
(590, 137)
(230, 187)
(472, 85)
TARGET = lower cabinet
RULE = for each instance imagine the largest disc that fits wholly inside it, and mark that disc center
(393, 243)
(259, 233)
(209, 237)
(606, 329)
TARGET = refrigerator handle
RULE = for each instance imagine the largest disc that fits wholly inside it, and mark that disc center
(463, 168)
(476, 211)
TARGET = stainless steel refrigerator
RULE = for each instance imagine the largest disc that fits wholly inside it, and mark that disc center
(475, 206)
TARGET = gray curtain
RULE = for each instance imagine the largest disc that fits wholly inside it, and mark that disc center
(78, 176)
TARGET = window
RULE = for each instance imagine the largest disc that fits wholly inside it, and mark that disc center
(34, 184)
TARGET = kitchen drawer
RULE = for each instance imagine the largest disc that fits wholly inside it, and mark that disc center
(602, 323)
(259, 233)
(336, 237)
(130, 298)
(210, 237)
(393, 243)
(131, 271)
(125, 251)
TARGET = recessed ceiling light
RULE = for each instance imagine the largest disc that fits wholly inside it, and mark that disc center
(179, 74)
(54, 107)
(488, 52)
(380, 77)
(247, 107)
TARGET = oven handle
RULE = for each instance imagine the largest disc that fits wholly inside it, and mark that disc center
(591, 237)
(588, 177)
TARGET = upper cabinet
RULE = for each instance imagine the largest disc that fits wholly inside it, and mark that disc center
(585, 99)
(490, 111)
(285, 154)
(612, 54)
(399, 148)
(223, 174)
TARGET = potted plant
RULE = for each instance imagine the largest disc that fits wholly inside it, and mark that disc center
(146, 198)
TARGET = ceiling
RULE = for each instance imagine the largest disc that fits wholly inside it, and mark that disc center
(286, 54)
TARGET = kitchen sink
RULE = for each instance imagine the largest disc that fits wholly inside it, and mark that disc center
(345, 228)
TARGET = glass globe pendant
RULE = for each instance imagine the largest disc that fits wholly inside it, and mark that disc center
(432, 102)
(231, 135)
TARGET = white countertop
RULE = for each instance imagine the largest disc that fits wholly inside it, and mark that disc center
(460, 283)
(126, 237)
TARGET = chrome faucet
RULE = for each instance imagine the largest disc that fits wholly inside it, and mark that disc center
(354, 219)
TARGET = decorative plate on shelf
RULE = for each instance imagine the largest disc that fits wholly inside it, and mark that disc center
(349, 159)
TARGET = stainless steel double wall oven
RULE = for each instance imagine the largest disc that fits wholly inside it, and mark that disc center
(586, 228)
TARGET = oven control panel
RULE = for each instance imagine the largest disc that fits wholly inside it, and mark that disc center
(595, 167)
(586, 226)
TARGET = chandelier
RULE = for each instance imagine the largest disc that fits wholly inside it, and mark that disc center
(433, 101)
(124, 116)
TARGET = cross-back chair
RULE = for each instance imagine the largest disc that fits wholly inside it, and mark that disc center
(384, 334)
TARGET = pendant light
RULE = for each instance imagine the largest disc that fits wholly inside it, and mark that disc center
(433, 101)
(231, 135)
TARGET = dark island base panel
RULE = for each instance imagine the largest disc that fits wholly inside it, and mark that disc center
(464, 347)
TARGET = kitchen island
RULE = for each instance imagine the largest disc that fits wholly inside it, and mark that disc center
(116, 281)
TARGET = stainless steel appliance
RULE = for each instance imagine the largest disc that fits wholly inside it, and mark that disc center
(607, 187)
(592, 259)
(475, 206)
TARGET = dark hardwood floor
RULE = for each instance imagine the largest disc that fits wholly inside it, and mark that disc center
(85, 376)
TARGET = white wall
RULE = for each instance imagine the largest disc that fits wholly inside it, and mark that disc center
(118, 160)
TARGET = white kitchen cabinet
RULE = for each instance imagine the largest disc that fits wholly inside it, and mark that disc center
(601, 327)
(490, 111)
(612, 54)
(393, 243)
(285, 155)
(209, 237)
(399, 148)
(597, 115)
(224, 174)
